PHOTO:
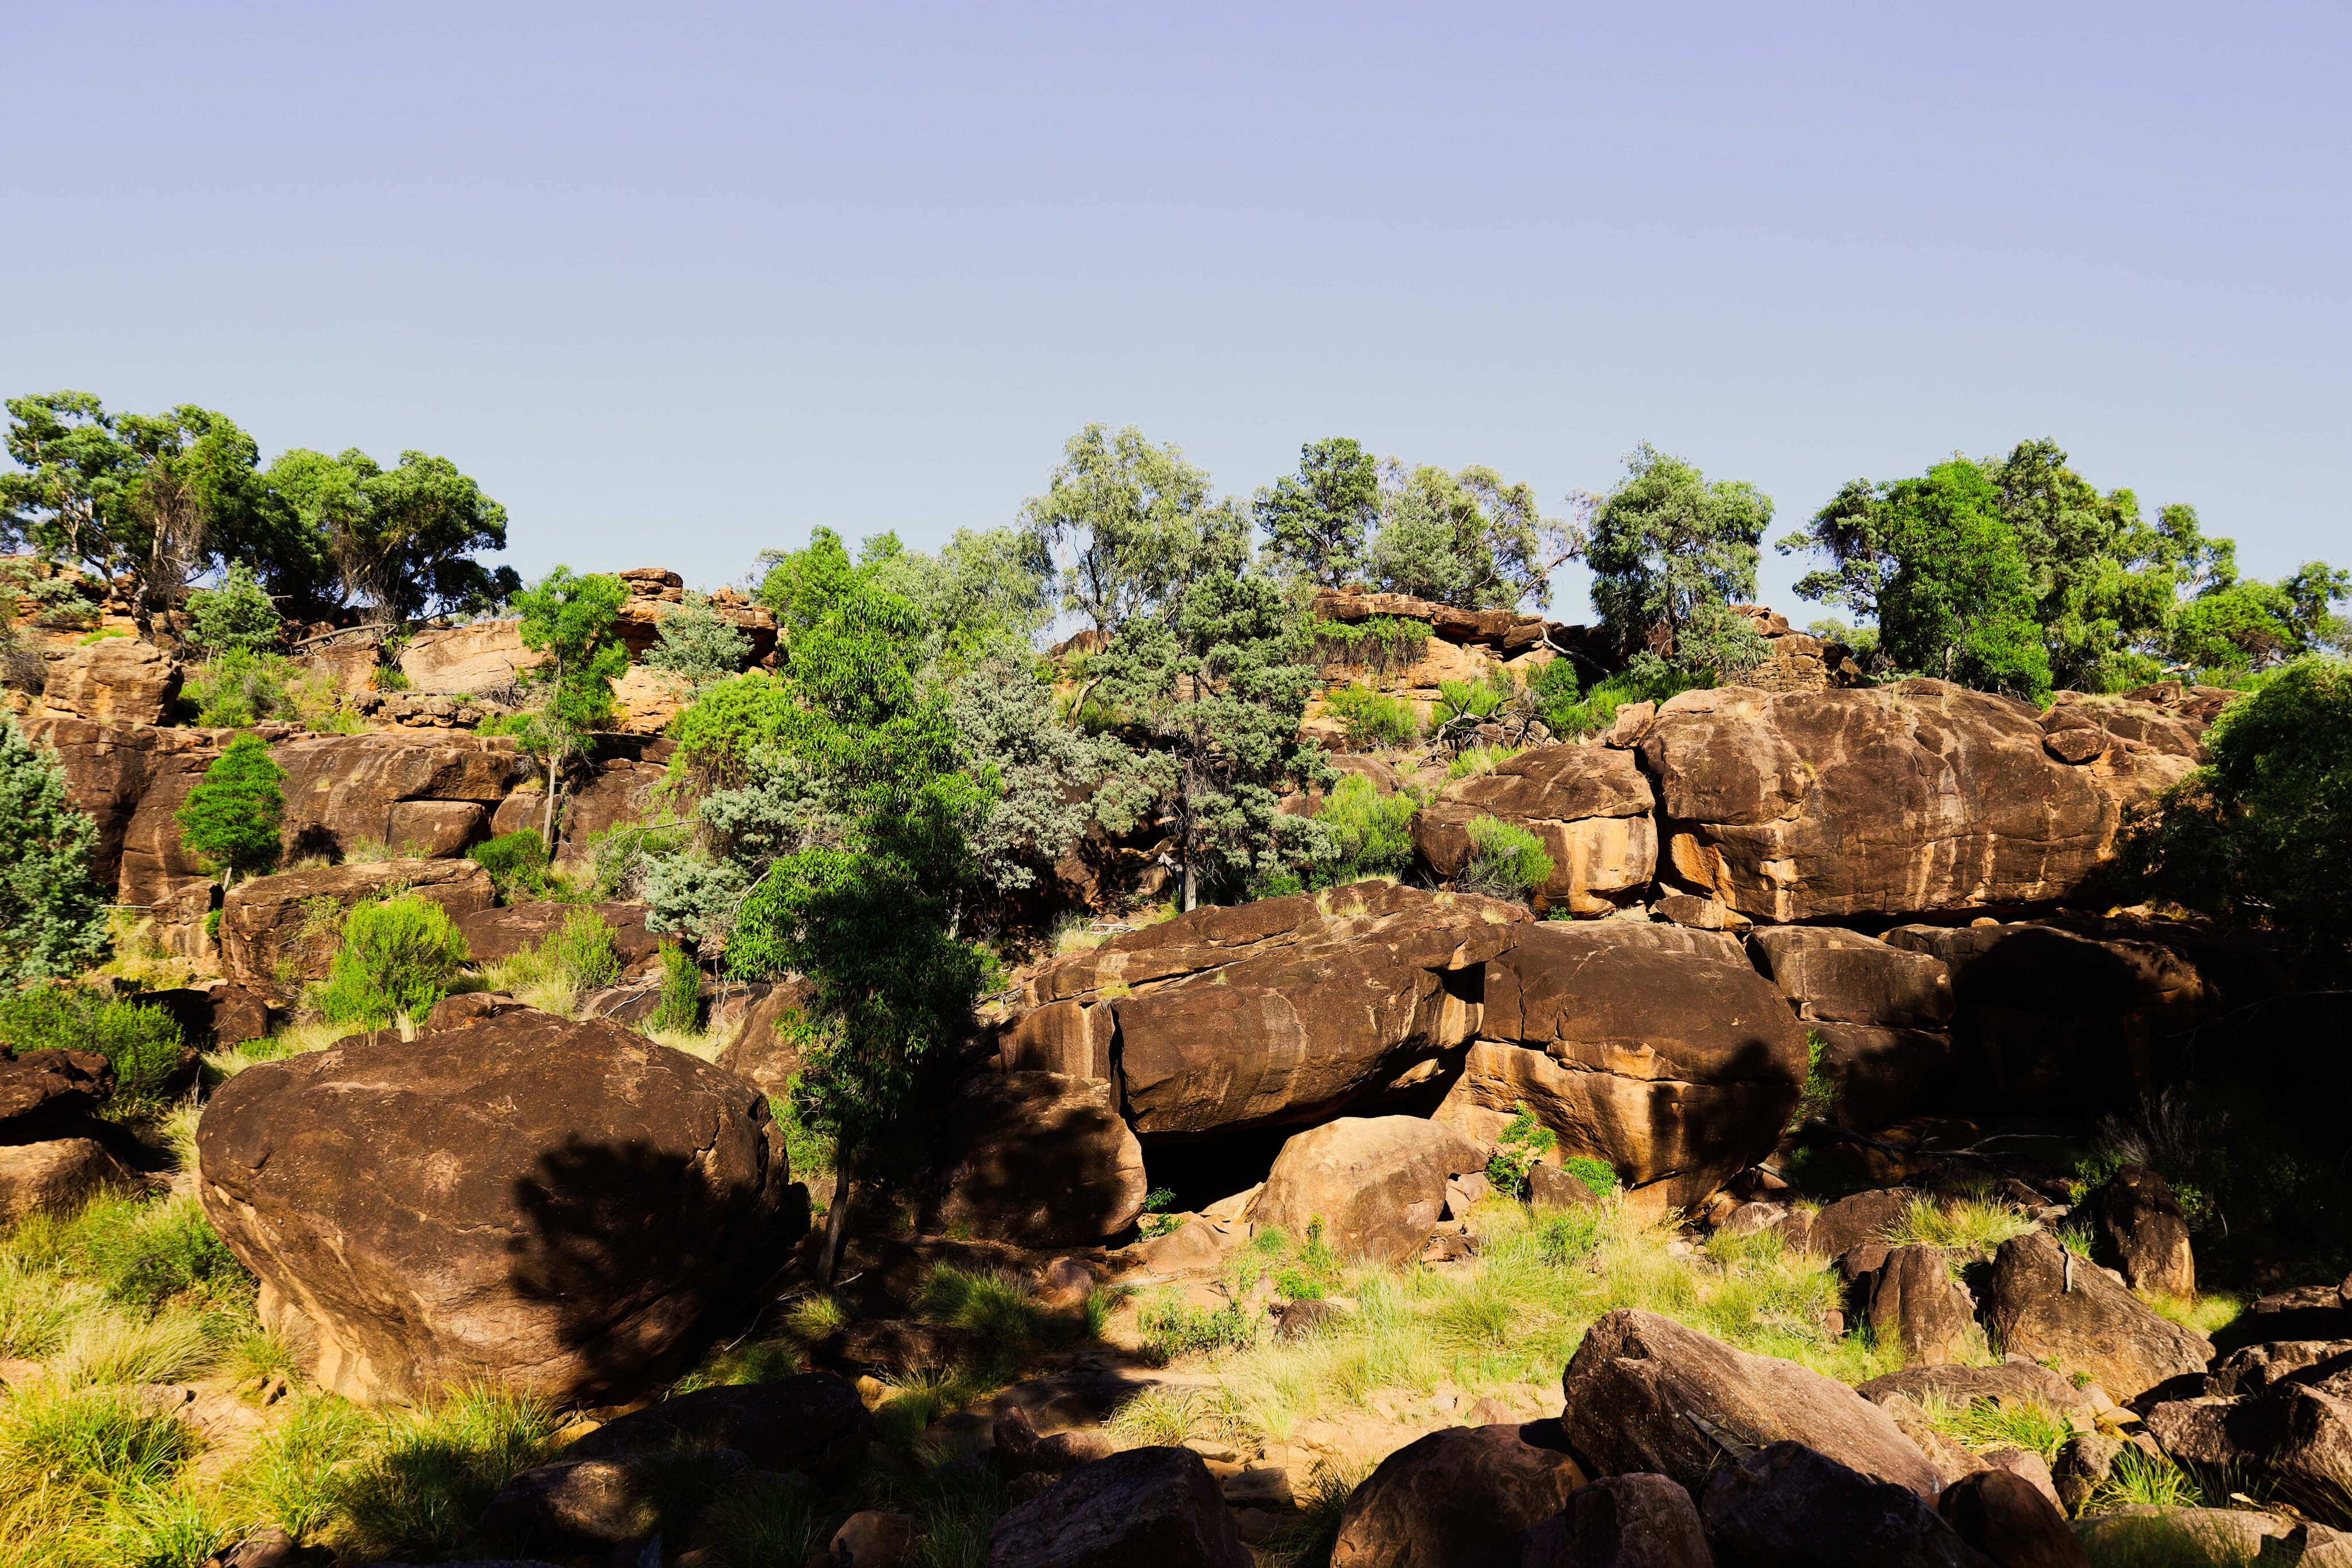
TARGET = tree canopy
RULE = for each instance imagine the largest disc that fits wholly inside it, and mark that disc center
(402, 540)
(1319, 520)
(2113, 598)
(235, 814)
(1123, 523)
(570, 618)
(1670, 552)
(52, 909)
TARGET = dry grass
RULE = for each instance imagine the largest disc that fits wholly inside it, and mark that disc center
(1514, 1316)
(2208, 1314)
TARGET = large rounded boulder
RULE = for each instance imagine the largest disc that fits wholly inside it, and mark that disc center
(546, 1204)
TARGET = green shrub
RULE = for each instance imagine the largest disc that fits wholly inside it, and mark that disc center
(1373, 717)
(1570, 712)
(238, 614)
(1383, 644)
(397, 956)
(1520, 1147)
(1506, 861)
(1171, 1328)
(517, 862)
(582, 950)
(1818, 1099)
(233, 818)
(1372, 832)
(141, 1043)
(1475, 701)
(1566, 1235)
(681, 991)
(1598, 1175)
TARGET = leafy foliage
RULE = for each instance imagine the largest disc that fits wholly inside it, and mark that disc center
(1126, 523)
(681, 991)
(234, 817)
(696, 641)
(1506, 861)
(141, 1042)
(1215, 685)
(517, 862)
(1318, 520)
(397, 956)
(1469, 540)
(2257, 835)
(569, 619)
(1671, 552)
(1371, 716)
(1370, 834)
(238, 687)
(1520, 1147)
(1044, 772)
(52, 910)
(1570, 711)
(402, 539)
(238, 613)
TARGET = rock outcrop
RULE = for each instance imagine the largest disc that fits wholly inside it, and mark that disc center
(1656, 1049)
(1917, 797)
(2043, 1301)
(548, 1204)
(1452, 1498)
(1637, 1379)
(1790, 1503)
(2141, 1222)
(271, 941)
(1036, 1160)
(1376, 1183)
(116, 680)
(1147, 1505)
(1590, 805)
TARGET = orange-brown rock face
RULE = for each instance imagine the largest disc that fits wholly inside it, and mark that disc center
(1591, 807)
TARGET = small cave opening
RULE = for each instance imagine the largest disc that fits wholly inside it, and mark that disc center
(1201, 1171)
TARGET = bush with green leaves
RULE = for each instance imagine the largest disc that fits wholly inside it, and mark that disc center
(1520, 1147)
(1818, 1101)
(141, 1043)
(1598, 1175)
(1372, 717)
(397, 956)
(52, 910)
(1506, 861)
(238, 687)
(1570, 710)
(1372, 833)
(681, 991)
(517, 862)
(695, 641)
(237, 613)
(2257, 835)
(1382, 644)
(233, 818)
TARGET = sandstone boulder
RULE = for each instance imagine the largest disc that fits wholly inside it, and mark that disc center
(397, 788)
(1590, 806)
(484, 656)
(619, 791)
(1621, 1522)
(2040, 1301)
(1842, 976)
(1037, 1159)
(544, 1203)
(1789, 1504)
(1377, 1182)
(1915, 1301)
(1283, 1011)
(39, 1089)
(1637, 1379)
(1658, 1051)
(584, 1507)
(1828, 805)
(1856, 1220)
(271, 941)
(2141, 1222)
(55, 1175)
(2048, 1018)
(811, 1422)
(764, 1053)
(501, 933)
(2297, 1432)
(1158, 1506)
(2011, 1380)
(2011, 1522)
(1455, 1499)
(1883, 1075)
(2137, 1533)
(114, 680)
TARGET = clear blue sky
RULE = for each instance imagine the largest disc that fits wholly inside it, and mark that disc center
(677, 282)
